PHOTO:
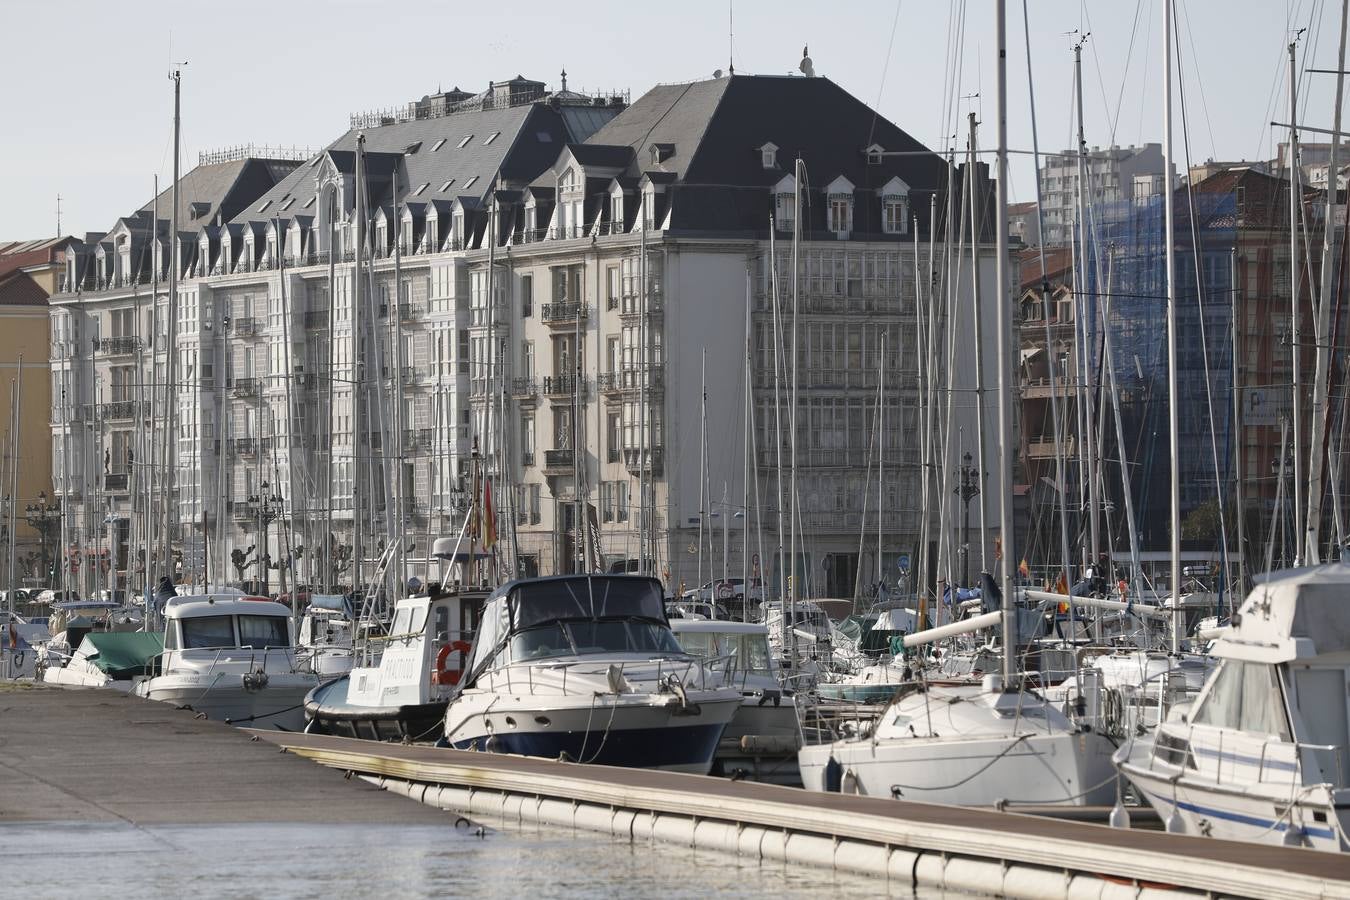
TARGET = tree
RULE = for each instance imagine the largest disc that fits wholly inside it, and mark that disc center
(1202, 523)
(240, 559)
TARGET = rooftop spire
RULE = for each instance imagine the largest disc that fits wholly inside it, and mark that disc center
(564, 78)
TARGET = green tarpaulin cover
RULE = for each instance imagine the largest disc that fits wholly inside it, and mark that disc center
(124, 654)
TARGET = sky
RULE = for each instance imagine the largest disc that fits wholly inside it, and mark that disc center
(88, 104)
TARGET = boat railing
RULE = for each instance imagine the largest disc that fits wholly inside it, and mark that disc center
(236, 660)
(665, 668)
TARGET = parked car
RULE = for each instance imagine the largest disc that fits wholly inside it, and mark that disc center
(727, 589)
(50, 596)
(695, 609)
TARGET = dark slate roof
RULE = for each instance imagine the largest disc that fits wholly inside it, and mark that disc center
(710, 133)
(602, 155)
(529, 137)
(224, 189)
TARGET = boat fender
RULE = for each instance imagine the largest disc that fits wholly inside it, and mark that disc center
(255, 681)
(440, 674)
(834, 774)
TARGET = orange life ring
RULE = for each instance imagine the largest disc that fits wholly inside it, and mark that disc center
(440, 674)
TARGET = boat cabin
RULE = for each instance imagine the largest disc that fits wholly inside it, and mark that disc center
(573, 616)
(422, 656)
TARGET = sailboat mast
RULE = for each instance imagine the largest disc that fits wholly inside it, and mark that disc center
(1330, 273)
(794, 588)
(1082, 269)
(1173, 400)
(329, 576)
(358, 369)
(975, 199)
(1295, 307)
(396, 315)
(170, 347)
(1004, 323)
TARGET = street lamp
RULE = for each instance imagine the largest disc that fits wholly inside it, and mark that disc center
(968, 489)
(266, 508)
(44, 517)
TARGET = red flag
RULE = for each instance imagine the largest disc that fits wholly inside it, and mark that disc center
(490, 523)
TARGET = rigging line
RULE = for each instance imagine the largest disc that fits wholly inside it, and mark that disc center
(1060, 468)
(1097, 61)
(1124, 77)
(1143, 85)
(885, 67)
(1199, 83)
(1200, 299)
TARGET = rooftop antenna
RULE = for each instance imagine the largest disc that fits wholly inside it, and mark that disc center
(805, 65)
(564, 80)
(731, 37)
(58, 215)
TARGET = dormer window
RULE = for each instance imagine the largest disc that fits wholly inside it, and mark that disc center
(768, 156)
(895, 207)
(785, 203)
(616, 213)
(839, 195)
(875, 154)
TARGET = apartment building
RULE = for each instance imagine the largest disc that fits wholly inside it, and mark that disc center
(1111, 174)
(559, 292)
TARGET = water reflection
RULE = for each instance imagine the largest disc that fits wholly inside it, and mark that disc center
(281, 862)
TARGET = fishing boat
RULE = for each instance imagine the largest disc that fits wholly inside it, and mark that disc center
(230, 657)
(585, 668)
(403, 694)
(762, 741)
(1263, 753)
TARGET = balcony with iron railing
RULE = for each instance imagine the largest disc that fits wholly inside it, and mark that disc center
(246, 387)
(559, 461)
(608, 383)
(122, 409)
(411, 312)
(316, 318)
(636, 460)
(419, 438)
(119, 346)
(633, 379)
(631, 306)
(409, 374)
(564, 386)
(521, 388)
(244, 446)
(116, 482)
(562, 314)
(246, 326)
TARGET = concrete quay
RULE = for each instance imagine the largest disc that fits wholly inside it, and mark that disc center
(99, 756)
(908, 844)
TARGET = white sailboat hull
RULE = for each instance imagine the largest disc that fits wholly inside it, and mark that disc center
(1063, 768)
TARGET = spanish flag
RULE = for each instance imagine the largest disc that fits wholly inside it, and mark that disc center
(490, 518)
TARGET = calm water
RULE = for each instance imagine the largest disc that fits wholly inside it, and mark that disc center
(280, 862)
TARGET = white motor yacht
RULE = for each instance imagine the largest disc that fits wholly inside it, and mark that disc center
(1263, 753)
(231, 657)
(585, 668)
(763, 739)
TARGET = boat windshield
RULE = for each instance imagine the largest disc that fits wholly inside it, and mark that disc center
(208, 631)
(591, 637)
(261, 632)
(586, 597)
(748, 653)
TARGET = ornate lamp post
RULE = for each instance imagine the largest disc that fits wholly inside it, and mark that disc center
(968, 489)
(266, 509)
